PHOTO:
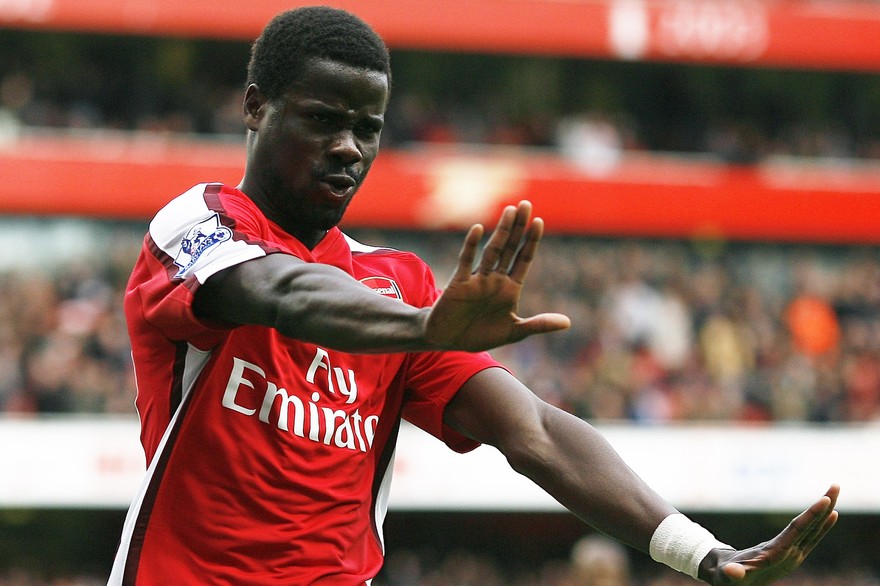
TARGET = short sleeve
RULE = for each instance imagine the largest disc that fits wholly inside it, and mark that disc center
(432, 380)
(193, 237)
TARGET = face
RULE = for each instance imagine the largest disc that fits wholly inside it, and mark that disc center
(310, 150)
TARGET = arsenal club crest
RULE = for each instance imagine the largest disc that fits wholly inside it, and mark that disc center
(383, 286)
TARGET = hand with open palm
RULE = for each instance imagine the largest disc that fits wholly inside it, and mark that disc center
(478, 308)
(769, 561)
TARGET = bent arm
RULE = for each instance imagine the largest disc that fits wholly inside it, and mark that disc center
(322, 304)
(313, 303)
(564, 455)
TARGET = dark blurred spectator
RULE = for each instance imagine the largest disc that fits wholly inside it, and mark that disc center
(597, 560)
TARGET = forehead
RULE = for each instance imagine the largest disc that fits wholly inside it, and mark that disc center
(330, 80)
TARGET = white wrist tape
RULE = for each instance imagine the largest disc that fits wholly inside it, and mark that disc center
(682, 544)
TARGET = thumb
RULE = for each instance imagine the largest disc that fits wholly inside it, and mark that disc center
(734, 571)
(543, 323)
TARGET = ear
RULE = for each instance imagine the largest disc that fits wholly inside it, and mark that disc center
(253, 106)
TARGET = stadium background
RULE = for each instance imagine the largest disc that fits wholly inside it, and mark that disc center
(709, 174)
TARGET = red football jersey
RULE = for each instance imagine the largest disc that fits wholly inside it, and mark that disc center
(269, 459)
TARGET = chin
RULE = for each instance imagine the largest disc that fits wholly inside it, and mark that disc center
(330, 217)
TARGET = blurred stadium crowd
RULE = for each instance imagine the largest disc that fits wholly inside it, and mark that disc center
(664, 331)
(590, 110)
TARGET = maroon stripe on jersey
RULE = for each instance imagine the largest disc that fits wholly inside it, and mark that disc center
(160, 255)
(176, 392)
(136, 543)
(212, 200)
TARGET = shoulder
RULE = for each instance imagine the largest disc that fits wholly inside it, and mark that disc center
(207, 228)
(197, 203)
(393, 272)
(361, 250)
(205, 206)
(204, 198)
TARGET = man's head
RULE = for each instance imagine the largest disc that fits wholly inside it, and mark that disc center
(294, 38)
(318, 86)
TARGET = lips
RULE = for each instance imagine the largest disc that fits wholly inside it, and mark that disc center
(339, 185)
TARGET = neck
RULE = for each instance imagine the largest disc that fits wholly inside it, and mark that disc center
(308, 235)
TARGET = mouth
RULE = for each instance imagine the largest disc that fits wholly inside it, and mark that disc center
(338, 186)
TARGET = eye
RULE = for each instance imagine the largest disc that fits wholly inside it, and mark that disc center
(365, 129)
(368, 128)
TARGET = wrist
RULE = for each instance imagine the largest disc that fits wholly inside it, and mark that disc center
(682, 544)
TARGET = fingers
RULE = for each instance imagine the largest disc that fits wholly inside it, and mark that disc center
(497, 241)
(787, 550)
(502, 252)
(809, 544)
(825, 519)
(832, 494)
(520, 221)
(526, 254)
(812, 524)
(806, 530)
(468, 253)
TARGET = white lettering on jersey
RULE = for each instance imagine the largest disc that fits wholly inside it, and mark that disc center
(322, 360)
(331, 427)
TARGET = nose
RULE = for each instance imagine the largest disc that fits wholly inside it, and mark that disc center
(345, 147)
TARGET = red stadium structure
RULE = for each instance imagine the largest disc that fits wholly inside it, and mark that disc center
(645, 195)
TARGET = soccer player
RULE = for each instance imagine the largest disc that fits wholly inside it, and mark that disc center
(275, 357)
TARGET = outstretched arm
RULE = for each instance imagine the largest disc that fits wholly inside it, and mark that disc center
(561, 453)
(575, 464)
(322, 304)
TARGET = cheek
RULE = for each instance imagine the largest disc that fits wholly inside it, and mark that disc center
(294, 158)
(295, 170)
(370, 151)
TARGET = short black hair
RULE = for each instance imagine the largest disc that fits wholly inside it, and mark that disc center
(295, 37)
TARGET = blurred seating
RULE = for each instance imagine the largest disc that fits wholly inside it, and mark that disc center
(664, 331)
